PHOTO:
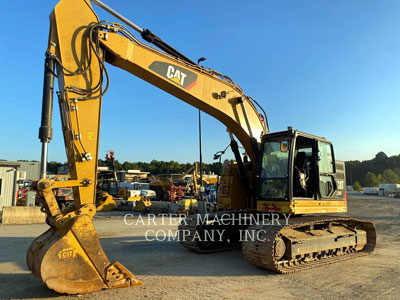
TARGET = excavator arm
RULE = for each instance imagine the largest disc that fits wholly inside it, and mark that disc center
(68, 257)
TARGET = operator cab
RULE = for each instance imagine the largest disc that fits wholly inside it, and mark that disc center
(295, 166)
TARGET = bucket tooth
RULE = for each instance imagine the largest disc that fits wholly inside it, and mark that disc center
(119, 276)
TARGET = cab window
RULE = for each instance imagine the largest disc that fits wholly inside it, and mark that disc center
(325, 158)
(274, 172)
(327, 184)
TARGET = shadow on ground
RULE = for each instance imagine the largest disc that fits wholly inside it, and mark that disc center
(141, 257)
(23, 286)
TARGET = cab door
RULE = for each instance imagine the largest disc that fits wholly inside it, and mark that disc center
(327, 185)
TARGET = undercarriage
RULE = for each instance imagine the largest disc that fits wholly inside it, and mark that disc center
(279, 243)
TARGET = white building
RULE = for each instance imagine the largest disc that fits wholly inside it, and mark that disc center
(8, 183)
(388, 189)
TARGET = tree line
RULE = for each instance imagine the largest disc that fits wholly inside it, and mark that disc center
(154, 167)
(380, 169)
(371, 173)
(159, 167)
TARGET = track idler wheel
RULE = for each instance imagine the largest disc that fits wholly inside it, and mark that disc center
(71, 260)
(279, 248)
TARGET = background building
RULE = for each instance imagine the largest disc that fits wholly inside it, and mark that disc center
(31, 169)
(8, 183)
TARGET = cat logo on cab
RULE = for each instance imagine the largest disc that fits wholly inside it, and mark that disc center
(177, 74)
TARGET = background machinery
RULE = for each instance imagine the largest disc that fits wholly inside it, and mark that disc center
(188, 183)
(286, 172)
(123, 195)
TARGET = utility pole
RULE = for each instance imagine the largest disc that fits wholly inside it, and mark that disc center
(201, 166)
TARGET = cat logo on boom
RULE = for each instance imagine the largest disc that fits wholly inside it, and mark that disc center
(176, 75)
(182, 77)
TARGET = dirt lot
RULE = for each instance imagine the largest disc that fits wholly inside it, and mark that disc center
(172, 272)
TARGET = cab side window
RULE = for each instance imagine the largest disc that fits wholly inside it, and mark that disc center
(327, 184)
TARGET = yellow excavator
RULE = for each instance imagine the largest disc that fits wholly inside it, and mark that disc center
(287, 172)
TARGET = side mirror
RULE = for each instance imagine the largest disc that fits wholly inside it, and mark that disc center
(284, 146)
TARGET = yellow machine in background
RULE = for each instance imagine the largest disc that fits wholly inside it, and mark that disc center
(139, 203)
(142, 204)
(188, 183)
(287, 171)
(105, 202)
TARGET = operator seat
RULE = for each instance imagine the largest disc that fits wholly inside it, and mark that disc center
(301, 161)
(301, 166)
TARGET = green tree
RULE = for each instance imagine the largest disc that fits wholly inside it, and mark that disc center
(390, 176)
(102, 163)
(357, 186)
(380, 179)
(370, 179)
(128, 166)
(356, 170)
(397, 171)
(52, 167)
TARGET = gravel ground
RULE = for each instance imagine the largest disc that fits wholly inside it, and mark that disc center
(169, 271)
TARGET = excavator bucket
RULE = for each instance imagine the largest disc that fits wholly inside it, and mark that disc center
(107, 203)
(142, 204)
(71, 260)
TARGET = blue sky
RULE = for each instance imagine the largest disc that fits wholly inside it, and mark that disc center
(331, 68)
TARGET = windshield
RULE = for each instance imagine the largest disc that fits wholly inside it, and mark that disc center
(274, 172)
(145, 186)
